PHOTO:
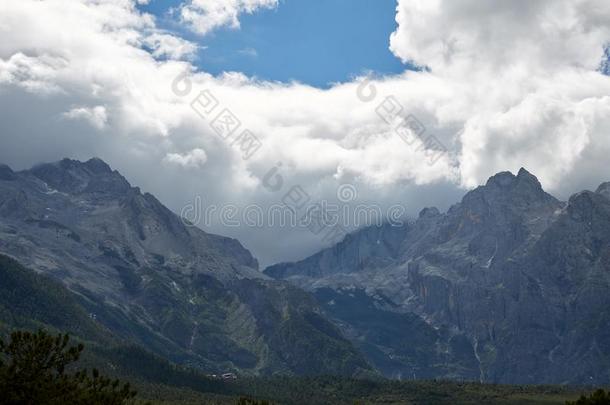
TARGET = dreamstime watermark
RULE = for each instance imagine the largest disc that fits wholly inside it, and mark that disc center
(406, 126)
(319, 220)
(347, 193)
(316, 217)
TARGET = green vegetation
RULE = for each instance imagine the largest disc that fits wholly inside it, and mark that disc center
(29, 301)
(347, 391)
(599, 397)
(32, 301)
(333, 390)
(162, 382)
(33, 370)
(248, 401)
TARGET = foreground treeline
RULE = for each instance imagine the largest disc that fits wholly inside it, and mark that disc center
(599, 397)
(40, 368)
(35, 369)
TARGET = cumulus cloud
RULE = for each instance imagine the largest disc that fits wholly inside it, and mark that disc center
(34, 74)
(193, 159)
(169, 46)
(467, 35)
(502, 85)
(527, 80)
(204, 16)
(96, 116)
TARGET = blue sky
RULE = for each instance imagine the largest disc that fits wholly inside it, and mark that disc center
(318, 42)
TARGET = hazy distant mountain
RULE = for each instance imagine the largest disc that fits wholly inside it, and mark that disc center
(510, 285)
(144, 275)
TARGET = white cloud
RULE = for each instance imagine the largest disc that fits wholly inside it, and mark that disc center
(195, 158)
(204, 16)
(34, 74)
(500, 92)
(466, 35)
(170, 46)
(527, 86)
(96, 116)
(250, 52)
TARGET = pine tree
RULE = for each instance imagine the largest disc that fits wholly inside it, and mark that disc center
(33, 371)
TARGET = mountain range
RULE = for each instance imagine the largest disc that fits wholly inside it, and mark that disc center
(510, 285)
(147, 277)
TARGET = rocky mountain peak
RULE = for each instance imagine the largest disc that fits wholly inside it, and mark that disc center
(6, 173)
(502, 180)
(504, 188)
(527, 183)
(604, 189)
(524, 180)
(587, 206)
(429, 212)
(74, 176)
(93, 166)
(97, 165)
(524, 175)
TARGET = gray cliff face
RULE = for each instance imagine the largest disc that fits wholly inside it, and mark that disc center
(370, 247)
(69, 214)
(146, 275)
(519, 278)
(604, 189)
